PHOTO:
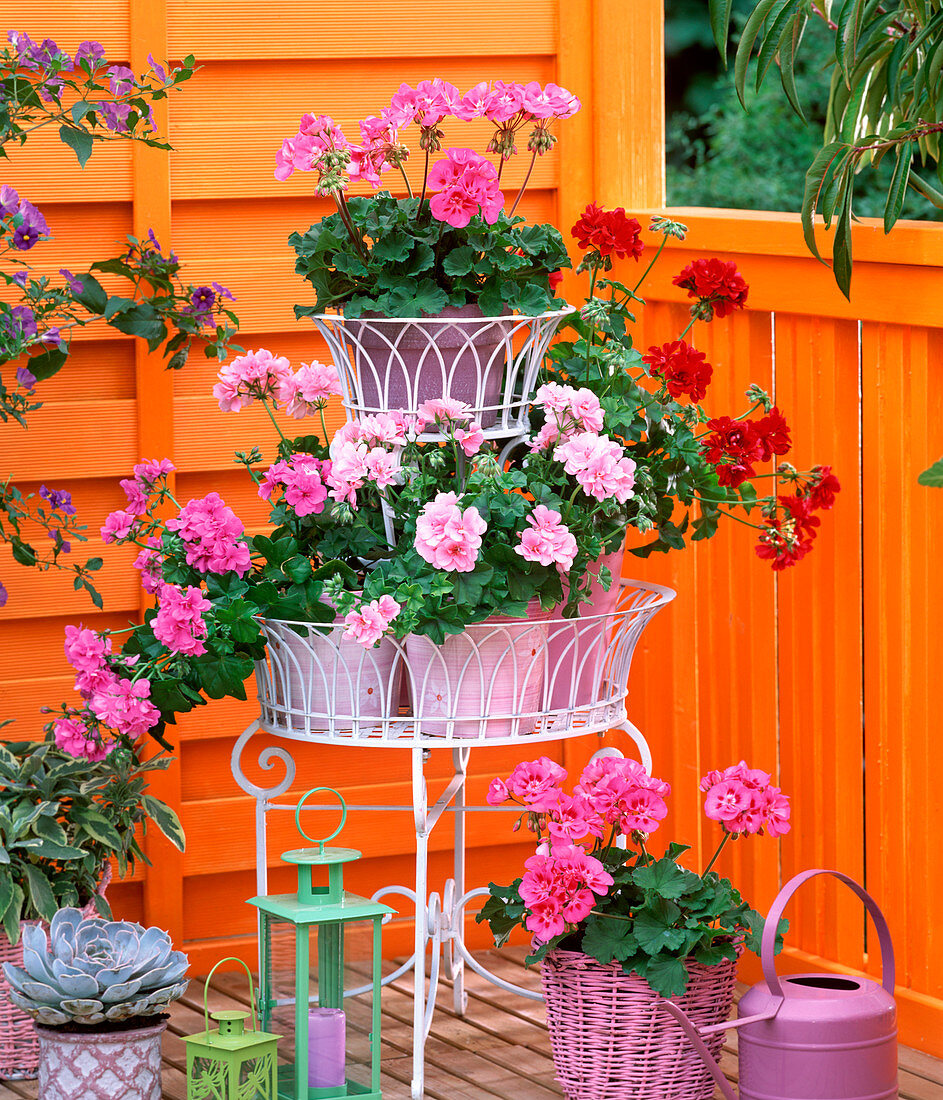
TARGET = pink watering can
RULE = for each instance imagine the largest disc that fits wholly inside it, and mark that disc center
(811, 1036)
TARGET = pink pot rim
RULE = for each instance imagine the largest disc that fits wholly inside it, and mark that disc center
(99, 1038)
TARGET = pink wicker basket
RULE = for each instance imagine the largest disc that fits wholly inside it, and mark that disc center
(611, 1042)
(19, 1047)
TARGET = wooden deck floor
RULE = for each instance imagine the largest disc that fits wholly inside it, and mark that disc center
(499, 1049)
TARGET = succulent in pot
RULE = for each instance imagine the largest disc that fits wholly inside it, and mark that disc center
(95, 972)
(97, 991)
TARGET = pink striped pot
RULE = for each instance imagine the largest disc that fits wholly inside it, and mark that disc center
(609, 1039)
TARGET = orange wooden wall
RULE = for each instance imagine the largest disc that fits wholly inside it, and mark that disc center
(821, 674)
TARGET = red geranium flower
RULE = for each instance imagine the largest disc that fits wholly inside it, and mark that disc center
(788, 537)
(773, 432)
(780, 550)
(822, 492)
(717, 285)
(684, 369)
(555, 278)
(609, 232)
(799, 514)
(731, 439)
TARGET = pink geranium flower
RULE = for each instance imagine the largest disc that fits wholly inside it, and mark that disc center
(743, 801)
(547, 540)
(466, 185)
(179, 622)
(256, 376)
(73, 736)
(308, 389)
(532, 781)
(447, 536)
(599, 465)
(212, 534)
(368, 625)
(124, 705)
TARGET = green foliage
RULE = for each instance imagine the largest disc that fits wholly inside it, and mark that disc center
(720, 155)
(406, 263)
(885, 93)
(933, 476)
(656, 916)
(62, 818)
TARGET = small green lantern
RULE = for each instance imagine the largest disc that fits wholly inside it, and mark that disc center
(337, 1052)
(228, 1062)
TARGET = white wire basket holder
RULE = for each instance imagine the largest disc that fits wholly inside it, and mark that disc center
(540, 678)
(489, 363)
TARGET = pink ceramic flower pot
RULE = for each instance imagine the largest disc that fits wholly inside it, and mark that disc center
(576, 672)
(486, 682)
(400, 364)
(113, 1065)
(326, 681)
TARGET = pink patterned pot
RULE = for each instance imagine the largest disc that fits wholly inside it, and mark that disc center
(577, 648)
(401, 364)
(113, 1065)
(19, 1050)
(610, 1041)
(486, 682)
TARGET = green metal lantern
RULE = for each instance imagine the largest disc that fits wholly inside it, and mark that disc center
(308, 940)
(229, 1062)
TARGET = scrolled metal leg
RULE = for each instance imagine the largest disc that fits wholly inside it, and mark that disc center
(420, 814)
(267, 760)
(645, 753)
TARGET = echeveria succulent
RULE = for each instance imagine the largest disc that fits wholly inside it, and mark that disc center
(94, 971)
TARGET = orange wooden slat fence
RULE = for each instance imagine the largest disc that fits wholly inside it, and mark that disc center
(821, 673)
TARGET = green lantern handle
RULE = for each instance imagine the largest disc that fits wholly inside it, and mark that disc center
(206, 992)
(330, 836)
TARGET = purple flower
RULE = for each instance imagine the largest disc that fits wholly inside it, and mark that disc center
(60, 500)
(114, 115)
(52, 335)
(90, 51)
(9, 201)
(4, 596)
(22, 322)
(25, 378)
(31, 228)
(203, 299)
(224, 293)
(74, 285)
(20, 277)
(159, 71)
(120, 79)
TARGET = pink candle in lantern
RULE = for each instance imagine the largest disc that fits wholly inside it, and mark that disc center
(327, 1043)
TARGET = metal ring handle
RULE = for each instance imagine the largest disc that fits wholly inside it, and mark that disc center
(206, 992)
(304, 799)
(767, 954)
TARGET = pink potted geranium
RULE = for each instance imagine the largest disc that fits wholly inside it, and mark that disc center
(616, 927)
(420, 277)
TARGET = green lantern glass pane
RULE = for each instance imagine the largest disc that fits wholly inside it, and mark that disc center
(340, 958)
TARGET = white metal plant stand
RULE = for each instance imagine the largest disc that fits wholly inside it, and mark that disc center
(509, 684)
(489, 363)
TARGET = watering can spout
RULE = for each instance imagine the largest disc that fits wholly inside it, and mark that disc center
(695, 1034)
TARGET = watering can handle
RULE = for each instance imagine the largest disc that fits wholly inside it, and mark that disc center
(776, 912)
(206, 991)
